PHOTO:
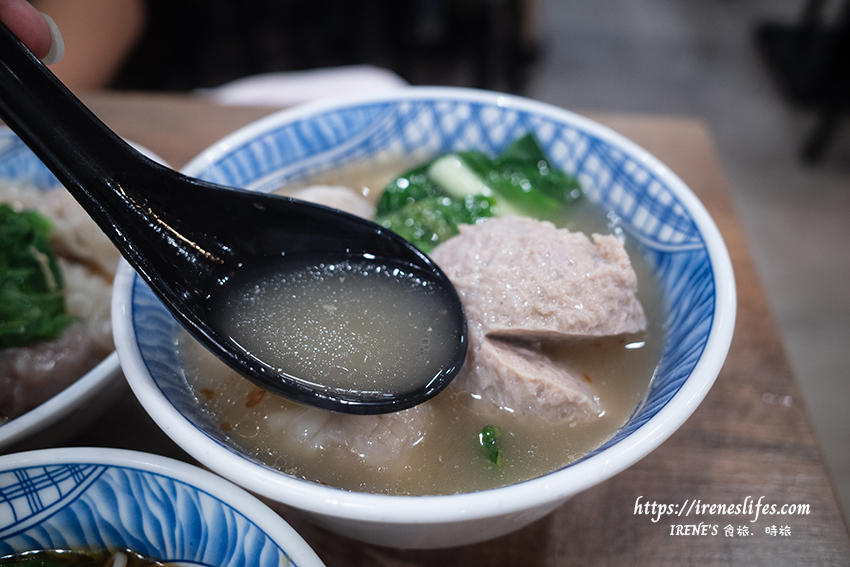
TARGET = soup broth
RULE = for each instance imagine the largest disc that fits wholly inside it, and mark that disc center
(70, 558)
(444, 452)
(345, 325)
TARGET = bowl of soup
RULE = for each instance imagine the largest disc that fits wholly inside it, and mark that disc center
(599, 295)
(96, 506)
(58, 366)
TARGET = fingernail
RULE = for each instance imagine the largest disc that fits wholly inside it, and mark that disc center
(57, 44)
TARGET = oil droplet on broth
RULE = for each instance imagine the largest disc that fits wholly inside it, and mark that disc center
(350, 325)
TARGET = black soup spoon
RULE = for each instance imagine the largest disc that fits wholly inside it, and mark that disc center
(189, 240)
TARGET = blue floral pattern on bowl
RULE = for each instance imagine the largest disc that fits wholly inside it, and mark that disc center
(19, 164)
(90, 505)
(616, 174)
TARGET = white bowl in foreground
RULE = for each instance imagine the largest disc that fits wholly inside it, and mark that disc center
(655, 207)
(84, 499)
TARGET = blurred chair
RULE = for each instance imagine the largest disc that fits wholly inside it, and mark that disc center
(810, 61)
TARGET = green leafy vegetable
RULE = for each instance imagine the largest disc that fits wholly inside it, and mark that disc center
(525, 175)
(411, 186)
(488, 438)
(32, 306)
(515, 191)
(427, 203)
(427, 222)
(525, 161)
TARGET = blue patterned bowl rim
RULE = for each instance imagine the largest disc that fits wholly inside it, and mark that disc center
(657, 207)
(95, 498)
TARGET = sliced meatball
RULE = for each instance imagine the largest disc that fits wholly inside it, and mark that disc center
(524, 278)
(524, 282)
(520, 378)
(33, 374)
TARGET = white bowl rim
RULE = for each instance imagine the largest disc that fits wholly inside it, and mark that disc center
(537, 492)
(240, 500)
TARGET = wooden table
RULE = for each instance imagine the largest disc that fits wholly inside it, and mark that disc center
(750, 437)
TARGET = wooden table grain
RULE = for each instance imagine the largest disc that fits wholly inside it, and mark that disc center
(750, 439)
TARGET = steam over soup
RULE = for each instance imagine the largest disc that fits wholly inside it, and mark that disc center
(541, 386)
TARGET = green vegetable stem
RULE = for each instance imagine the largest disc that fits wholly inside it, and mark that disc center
(488, 438)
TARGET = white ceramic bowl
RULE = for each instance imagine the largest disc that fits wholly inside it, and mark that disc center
(78, 405)
(688, 254)
(90, 498)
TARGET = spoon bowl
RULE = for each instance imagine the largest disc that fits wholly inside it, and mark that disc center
(188, 238)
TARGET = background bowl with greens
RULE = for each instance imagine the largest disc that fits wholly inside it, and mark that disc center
(28, 312)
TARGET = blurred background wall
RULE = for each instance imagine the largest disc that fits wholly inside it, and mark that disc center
(484, 43)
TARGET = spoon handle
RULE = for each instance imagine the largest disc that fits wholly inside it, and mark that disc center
(60, 130)
(120, 188)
